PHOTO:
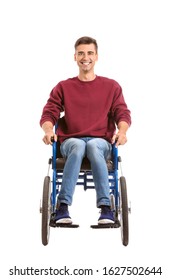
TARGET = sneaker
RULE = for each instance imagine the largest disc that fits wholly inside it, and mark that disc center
(106, 216)
(62, 214)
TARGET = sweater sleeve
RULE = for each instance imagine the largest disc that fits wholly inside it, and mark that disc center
(53, 107)
(119, 109)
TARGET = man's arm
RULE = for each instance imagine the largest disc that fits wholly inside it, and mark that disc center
(120, 136)
(49, 133)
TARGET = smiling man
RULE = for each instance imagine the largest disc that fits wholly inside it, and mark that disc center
(95, 115)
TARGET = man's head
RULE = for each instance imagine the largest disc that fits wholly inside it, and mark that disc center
(86, 54)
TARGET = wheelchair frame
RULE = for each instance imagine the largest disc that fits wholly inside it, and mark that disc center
(118, 196)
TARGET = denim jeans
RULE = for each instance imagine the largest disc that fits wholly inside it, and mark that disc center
(97, 151)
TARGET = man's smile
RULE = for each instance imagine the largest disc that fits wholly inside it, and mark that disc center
(85, 63)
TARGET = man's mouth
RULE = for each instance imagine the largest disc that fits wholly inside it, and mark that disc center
(85, 63)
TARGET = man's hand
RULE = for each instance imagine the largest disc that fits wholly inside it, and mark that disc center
(49, 136)
(120, 137)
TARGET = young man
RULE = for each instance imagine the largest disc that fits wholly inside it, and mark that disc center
(93, 108)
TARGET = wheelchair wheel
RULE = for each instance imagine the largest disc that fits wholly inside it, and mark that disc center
(124, 212)
(46, 211)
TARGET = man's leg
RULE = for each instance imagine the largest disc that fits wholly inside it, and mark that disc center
(98, 151)
(74, 150)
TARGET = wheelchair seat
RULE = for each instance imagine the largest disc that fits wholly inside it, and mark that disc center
(85, 164)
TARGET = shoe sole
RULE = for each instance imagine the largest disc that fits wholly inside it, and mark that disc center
(105, 221)
(64, 221)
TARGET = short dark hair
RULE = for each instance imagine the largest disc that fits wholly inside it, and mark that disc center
(86, 41)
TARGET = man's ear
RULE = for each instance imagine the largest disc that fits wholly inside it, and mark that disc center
(74, 57)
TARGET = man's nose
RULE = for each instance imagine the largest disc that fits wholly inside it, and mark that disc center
(85, 56)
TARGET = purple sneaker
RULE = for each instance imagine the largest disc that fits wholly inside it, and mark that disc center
(62, 214)
(106, 216)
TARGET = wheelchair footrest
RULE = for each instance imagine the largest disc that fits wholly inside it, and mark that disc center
(109, 225)
(67, 225)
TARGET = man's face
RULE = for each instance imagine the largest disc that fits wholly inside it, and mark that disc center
(86, 56)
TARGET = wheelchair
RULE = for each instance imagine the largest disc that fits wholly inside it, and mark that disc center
(118, 194)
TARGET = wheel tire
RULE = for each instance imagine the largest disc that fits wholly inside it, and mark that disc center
(46, 211)
(124, 212)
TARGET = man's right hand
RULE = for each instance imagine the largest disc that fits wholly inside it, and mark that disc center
(49, 138)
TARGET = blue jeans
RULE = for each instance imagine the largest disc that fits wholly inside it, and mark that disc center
(97, 151)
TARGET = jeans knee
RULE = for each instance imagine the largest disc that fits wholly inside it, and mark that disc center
(73, 146)
(98, 147)
(93, 148)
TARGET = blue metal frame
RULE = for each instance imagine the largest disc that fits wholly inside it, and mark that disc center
(54, 180)
(115, 189)
(84, 176)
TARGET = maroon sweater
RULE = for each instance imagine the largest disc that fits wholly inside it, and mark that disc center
(91, 108)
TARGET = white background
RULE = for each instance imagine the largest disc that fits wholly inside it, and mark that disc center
(36, 52)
